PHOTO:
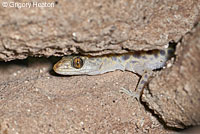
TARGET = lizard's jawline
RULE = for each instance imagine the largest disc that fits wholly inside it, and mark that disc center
(82, 72)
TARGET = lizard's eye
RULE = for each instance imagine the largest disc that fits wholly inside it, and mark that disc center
(77, 63)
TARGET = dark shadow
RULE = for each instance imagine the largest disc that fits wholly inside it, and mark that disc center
(32, 61)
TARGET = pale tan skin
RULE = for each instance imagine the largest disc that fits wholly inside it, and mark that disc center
(141, 63)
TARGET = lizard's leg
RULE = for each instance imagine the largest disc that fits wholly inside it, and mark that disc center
(141, 84)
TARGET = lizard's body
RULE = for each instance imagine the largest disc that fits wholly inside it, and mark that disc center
(142, 63)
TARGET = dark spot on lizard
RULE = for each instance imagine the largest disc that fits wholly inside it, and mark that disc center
(98, 59)
(136, 55)
(133, 61)
(144, 57)
(142, 82)
(114, 58)
(151, 58)
(125, 57)
(170, 52)
(162, 52)
(156, 55)
(161, 61)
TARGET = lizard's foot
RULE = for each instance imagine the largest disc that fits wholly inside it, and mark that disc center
(133, 94)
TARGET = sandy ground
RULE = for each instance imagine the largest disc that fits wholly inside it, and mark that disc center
(33, 99)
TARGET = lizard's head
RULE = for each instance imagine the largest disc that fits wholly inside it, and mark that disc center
(75, 65)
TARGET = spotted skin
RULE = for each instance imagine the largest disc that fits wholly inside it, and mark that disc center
(156, 55)
(142, 63)
(137, 55)
(144, 57)
(114, 58)
(162, 52)
(125, 57)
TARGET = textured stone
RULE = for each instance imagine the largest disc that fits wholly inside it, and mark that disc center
(93, 27)
(175, 95)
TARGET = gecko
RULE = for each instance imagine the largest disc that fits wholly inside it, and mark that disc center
(142, 63)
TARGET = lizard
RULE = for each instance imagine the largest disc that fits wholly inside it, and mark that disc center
(142, 63)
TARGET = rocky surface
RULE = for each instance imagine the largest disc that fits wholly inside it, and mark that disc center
(175, 94)
(93, 27)
(35, 100)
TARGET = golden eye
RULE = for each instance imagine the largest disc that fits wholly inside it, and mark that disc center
(77, 62)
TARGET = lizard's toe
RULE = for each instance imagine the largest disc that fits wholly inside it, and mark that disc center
(130, 93)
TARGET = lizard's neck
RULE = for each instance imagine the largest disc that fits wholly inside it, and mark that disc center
(108, 64)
